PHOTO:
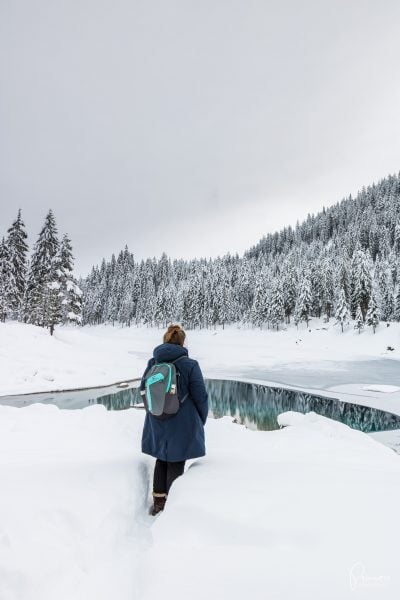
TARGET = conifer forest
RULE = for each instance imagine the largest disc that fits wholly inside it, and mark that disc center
(341, 264)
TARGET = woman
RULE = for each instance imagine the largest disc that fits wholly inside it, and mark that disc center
(180, 437)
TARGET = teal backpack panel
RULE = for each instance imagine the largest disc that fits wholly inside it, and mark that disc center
(160, 394)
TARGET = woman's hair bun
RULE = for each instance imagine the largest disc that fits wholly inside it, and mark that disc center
(174, 335)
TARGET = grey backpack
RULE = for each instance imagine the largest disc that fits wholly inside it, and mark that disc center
(160, 393)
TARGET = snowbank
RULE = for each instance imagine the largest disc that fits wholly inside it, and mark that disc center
(285, 514)
(72, 488)
(305, 512)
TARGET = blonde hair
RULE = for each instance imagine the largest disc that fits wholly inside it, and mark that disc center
(174, 335)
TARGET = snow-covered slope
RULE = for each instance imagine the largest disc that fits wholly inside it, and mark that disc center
(310, 511)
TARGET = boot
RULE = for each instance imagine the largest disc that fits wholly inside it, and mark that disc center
(159, 501)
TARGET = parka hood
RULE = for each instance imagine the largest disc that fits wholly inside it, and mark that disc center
(168, 352)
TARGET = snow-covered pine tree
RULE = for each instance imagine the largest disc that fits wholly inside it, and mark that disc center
(276, 306)
(147, 302)
(361, 282)
(223, 298)
(7, 282)
(18, 250)
(303, 305)
(342, 310)
(359, 320)
(397, 303)
(397, 236)
(126, 309)
(328, 288)
(343, 276)
(93, 298)
(164, 308)
(244, 292)
(260, 308)
(70, 293)
(162, 271)
(103, 291)
(385, 291)
(43, 303)
(189, 305)
(289, 286)
(316, 287)
(122, 278)
(111, 292)
(52, 304)
(136, 286)
(372, 318)
(210, 309)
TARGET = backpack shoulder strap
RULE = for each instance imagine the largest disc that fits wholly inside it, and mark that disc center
(178, 373)
(179, 358)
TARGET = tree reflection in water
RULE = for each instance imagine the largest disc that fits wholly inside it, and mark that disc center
(257, 406)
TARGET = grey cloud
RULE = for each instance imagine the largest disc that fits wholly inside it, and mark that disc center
(191, 127)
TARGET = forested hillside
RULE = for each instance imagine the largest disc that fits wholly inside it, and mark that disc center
(343, 262)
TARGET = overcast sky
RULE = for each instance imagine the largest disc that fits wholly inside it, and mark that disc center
(192, 127)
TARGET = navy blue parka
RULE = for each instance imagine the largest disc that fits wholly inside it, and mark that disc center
(181, 436)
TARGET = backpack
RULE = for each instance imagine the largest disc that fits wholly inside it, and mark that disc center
(160, 393)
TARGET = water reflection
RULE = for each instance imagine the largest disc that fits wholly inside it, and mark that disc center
(121, 400)
(260, 405)
(257, 406)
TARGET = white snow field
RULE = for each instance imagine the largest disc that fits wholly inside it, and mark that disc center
(309, 511)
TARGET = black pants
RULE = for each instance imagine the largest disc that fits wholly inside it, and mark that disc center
(165, 474)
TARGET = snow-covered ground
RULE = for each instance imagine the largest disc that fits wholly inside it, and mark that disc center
(350, 366)
(310, 511)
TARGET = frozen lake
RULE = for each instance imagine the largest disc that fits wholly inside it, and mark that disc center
(327, 374)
